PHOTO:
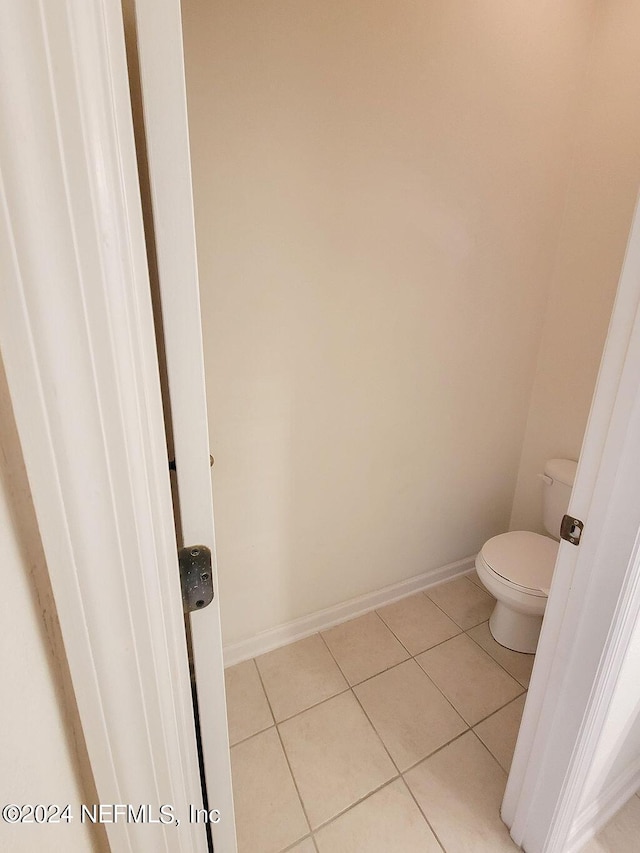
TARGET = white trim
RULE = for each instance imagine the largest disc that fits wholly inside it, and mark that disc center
(623, 624)
(594, 598)
(298, 629)
(77, 341)
(610, 801)
(162, 83)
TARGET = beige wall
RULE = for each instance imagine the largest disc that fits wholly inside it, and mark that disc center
(378, 191)
(42, 754)
(604, 184)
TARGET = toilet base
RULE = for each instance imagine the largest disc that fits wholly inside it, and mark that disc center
(516, 631)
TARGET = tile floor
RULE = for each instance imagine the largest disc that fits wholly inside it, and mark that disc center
(391, 732)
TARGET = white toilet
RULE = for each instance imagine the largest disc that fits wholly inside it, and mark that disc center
(517, 567)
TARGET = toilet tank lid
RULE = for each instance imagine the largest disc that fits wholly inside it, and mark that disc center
(563, 470)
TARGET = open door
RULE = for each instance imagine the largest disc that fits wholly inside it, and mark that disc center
(577, 759)
(157, 30)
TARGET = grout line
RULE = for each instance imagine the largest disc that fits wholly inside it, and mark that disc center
(506, 772)
(439, 689)
(253, 734)
(381, 672)
(376, 674)
(369, 677)
(299, 841)
(435, 604)
(335, 660)
(286, 757)
(422, 651)
(501, 708)
(314, 705)
(464, 630)
(259, 674)
(350, 687)
(435, 645)
(458, 714)
(311, 707)
(468, 725)
(422, 812)
(358, 802)
(367, 716)
(392, 633)
(486, 745)
(266, 728)
(378, 735)
(524, 686)
(439, 749)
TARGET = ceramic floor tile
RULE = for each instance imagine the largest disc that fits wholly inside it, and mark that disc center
(473, 577)
(463, 601)
(517, 664)
(460, 790)
(621, 834)
(269, 815)
(499, 732)
(409, 713)
(471, 680)
(306, 846)
(418, 623)
(247, 707)
(299, 675)
(388, 820)
(364, 647)
(335, 755)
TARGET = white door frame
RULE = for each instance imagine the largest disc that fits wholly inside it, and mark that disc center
(593, 608)
(77, 340)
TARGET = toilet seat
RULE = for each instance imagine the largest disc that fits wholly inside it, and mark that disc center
(523, 560)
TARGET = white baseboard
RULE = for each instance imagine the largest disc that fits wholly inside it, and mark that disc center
(298, 629)
(599, 813)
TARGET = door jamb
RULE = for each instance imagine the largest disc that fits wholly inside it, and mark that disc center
(76, 333)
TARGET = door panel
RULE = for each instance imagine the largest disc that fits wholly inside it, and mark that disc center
(161, 68)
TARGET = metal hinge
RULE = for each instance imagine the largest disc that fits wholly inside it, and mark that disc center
(195, 577)
(571, 529)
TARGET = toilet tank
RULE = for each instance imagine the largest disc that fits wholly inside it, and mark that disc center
(558, 478)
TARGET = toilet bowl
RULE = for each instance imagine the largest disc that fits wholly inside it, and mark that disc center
(517, 567)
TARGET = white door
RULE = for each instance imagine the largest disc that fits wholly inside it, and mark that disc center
(77, 341)
(162, 87)
(577, 759)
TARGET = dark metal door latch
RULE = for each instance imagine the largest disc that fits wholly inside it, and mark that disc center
(571, 529)
(195, 577)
